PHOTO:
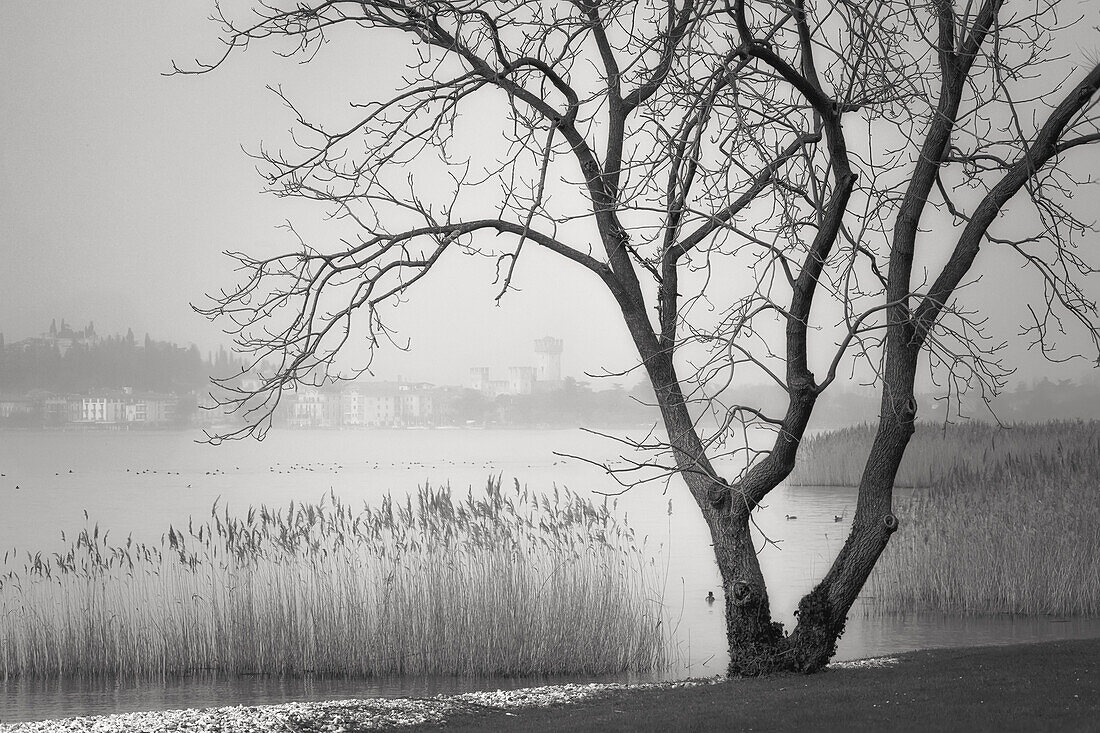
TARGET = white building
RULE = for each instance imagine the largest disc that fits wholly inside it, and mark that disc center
(369, 405)
(103, 408)
(316, 408)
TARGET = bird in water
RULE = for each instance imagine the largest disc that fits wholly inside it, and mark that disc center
(837, 518)
(791, 516)
(710, 596)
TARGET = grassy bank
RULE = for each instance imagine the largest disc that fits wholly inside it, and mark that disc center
(1030, 687)
(1007, 521)
(505, 582)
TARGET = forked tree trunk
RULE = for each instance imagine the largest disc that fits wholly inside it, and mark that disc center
(758, 645)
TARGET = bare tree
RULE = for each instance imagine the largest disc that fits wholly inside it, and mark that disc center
(770, 188)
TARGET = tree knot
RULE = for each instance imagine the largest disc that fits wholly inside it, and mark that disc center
(741, 593)
(718, 494)
(890, 521)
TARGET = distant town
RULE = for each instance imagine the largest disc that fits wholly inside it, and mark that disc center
(73, 378)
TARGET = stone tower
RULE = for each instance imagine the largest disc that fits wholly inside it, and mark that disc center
(480, 379)
(548, 359)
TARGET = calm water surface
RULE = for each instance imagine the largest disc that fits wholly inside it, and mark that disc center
(142, 482)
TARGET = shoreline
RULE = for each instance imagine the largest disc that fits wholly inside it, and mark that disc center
(1035, 686)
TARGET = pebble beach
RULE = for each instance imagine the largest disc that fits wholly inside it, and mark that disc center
(335, 716)
(345, 716)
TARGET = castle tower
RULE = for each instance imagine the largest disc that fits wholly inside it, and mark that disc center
(521, 379)
(548, 359)
(480, 380)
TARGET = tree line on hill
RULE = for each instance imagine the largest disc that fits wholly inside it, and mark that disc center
(109, 363)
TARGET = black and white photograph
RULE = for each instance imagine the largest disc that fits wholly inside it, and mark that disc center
(549, 365)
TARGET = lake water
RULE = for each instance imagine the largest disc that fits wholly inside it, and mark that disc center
(142, 482)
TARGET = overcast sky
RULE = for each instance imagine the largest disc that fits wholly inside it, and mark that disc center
(121, 187)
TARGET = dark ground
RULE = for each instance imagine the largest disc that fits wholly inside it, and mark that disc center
(1053, 686)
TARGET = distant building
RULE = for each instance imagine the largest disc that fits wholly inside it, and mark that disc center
(416, 404)
(369, 405)
(521, 380)
(13, 406)
(480, 380)
(57, 410)
(62, 338)
(119, 408)
(545, 376)
(152, 409)
(316, 407)
(380, 409)
(351, 405)
(366, 404)
(105, 407)
(548, 358)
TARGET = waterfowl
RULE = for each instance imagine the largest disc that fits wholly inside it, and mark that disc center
(791, 516)
(837, 518)
(710, 596)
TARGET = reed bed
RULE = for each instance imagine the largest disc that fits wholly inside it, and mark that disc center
(1017, 537)
(1006, 521)
(836, 458)
(500, 583)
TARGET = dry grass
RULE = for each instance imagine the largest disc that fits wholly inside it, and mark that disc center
(1007, 521)
(508, 582)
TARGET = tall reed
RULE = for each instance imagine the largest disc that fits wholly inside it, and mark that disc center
(1019, 536)
(508, 582)
(1006, 519)
(836, 458)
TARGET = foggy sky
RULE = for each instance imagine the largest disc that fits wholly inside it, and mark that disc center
(121, 187)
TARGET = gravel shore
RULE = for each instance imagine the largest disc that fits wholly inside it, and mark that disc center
(346, 716)
(336, 716)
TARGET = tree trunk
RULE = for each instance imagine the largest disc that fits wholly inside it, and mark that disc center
(822, 612)
(757, 644)
(754, 639)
